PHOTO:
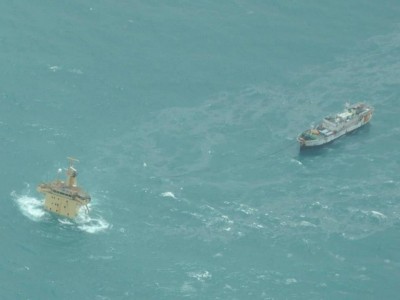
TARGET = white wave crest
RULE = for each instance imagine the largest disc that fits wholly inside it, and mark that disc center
(200, 276)
(296, 161)
(168, 194)
(377, 214)
(307, 224)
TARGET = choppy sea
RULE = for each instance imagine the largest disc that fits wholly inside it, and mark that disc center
(184, 116)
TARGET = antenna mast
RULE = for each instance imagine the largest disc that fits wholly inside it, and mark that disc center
(72, 172)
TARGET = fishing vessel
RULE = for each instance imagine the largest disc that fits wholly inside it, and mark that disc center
(334, 126)
(65, 198)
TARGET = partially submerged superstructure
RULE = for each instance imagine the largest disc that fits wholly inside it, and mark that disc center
(334, 126)
(65, 198)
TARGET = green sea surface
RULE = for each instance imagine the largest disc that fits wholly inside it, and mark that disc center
(184, 116)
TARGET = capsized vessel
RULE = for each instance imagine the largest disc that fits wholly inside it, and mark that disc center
(334, 126)
(65, 198)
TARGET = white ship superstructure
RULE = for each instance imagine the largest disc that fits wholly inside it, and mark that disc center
(334, 126)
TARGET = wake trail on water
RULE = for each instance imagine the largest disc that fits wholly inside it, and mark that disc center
(33, 209)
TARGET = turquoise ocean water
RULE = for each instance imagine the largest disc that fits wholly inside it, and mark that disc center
(184, 116)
